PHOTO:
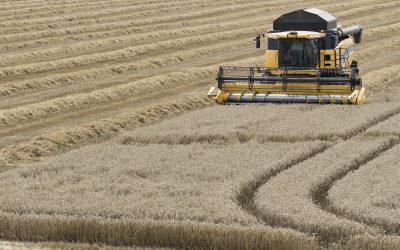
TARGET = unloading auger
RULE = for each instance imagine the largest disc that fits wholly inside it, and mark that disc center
(309, 60)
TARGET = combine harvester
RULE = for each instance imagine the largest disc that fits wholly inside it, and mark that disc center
(309, 60)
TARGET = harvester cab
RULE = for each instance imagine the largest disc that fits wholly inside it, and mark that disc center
(309, 59)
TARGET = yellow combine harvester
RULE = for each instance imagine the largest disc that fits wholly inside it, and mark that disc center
(309, 60)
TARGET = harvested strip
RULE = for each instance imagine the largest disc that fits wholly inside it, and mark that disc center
(101, 72)
(114, 52)
(87, 47)
(93, 74)
(125, 53)
(390, 44)
(102, 96)
(138, 19)
(68, 103)
(111, 53)
(240, 6)
(102, 10)
(130, 36)
(23, 14)
(356, 11)
(69, 138)
(82, 60)
(390, 28)
(84, 36)
(139, 22)
(124, 26)
(157, 8)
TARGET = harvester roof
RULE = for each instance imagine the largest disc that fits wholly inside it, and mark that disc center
(310, 19)
(296, 34)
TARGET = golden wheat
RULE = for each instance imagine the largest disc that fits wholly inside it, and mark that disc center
(389, 127)
(379, 242)
(98, 73)
(215, 178)
(182, 182)
(263, 123)
(72, 137)
(145, 233)
(287, 200)
(78, 101)
(374, 198)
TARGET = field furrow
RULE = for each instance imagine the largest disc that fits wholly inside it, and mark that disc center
(91, 113)
(111, 8)
(52, 143)
(53, 10)
(171, 17)
(103, 46)
(102, 82)
(136, 19)
(65, 78)
(108, 45)
(188, 56)
(12, 5)
(69, 103)
(391, 44)
(45, 41)
(130, 36)
(70, 6)
(12, 87)
(158, 8)
(128, 21)
(371, 9)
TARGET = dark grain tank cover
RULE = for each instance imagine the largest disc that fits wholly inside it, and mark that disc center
(310, 19)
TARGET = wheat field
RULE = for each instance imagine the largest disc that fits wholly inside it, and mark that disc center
(108, 141)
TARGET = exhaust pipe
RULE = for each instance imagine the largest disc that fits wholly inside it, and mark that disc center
(258, 41)
(355, 31)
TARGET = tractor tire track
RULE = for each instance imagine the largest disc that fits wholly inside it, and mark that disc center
(246, 195)
(320, 193)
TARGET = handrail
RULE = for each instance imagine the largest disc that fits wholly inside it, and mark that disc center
(252, 75)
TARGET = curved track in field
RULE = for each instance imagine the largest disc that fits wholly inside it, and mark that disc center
(246, 196)
(320, 194)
